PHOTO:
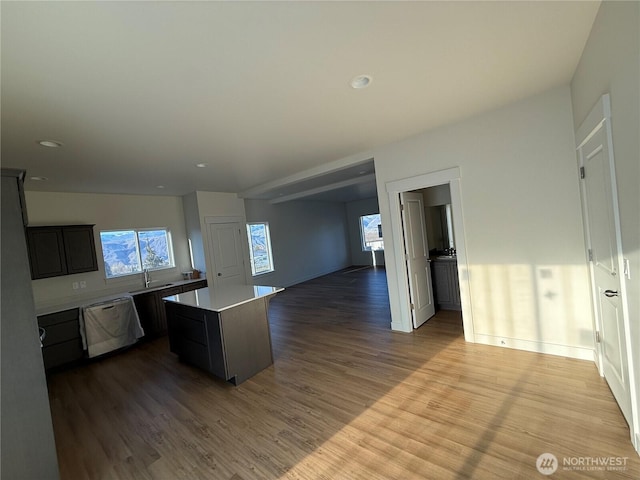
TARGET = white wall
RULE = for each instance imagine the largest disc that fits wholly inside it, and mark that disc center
(308, 239)
(355, 210)
(610, 64)
(521, 211)
(218, 204)
(107, 212)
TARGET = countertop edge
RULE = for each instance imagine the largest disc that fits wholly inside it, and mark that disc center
(71, 303)
(172, 299)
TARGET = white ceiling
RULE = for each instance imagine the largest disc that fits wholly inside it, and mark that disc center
(140, 92)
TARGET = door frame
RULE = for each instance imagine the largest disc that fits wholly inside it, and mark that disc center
(209, 220)
(451, 177)
(598, 118)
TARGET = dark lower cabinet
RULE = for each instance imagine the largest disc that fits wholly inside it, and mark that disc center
(161, 318)
(194, 286)
(151, 309)
(62, 343)
(446, 285)
(147, 308)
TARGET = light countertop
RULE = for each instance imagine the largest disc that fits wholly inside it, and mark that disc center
(222, 298)
(83, 301)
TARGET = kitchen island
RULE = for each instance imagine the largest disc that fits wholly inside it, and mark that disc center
(223, 330)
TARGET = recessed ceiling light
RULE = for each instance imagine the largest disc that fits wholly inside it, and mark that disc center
(160, 186)
(201, 165)
(361, 81)
(39, 179)
(50, 143)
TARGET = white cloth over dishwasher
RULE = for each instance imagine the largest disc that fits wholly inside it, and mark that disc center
(109, 325)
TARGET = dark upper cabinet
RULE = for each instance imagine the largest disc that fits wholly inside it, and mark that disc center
(80, 249)
(61, 250)
(46, 252)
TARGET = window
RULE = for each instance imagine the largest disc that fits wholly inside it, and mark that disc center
(127, 252)
(371, 232)
(260, 248)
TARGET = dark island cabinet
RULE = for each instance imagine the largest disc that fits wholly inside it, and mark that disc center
(234, 344)
(61, 250)
(195, 335)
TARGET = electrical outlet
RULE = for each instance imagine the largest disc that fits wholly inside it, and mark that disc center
(75, 285)
(83, 284)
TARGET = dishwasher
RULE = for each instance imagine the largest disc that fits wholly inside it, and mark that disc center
(109, 325)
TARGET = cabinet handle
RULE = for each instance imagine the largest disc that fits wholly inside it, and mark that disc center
(43, 335)
(611, 293)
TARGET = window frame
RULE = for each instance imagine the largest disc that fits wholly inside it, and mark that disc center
(363, 242)
(269, 254)
(139, 249)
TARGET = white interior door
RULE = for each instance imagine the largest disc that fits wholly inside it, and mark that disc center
(417, 258)
(599, 199)
(226, 248)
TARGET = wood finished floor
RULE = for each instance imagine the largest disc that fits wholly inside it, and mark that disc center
(346, 399)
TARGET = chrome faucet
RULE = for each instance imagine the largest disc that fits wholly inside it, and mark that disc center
(147, 278)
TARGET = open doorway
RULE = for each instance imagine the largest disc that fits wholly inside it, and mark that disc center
(430, 255)
(451, 179)
(442, 247)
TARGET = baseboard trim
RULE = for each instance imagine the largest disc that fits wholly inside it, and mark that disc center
(580, 353)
